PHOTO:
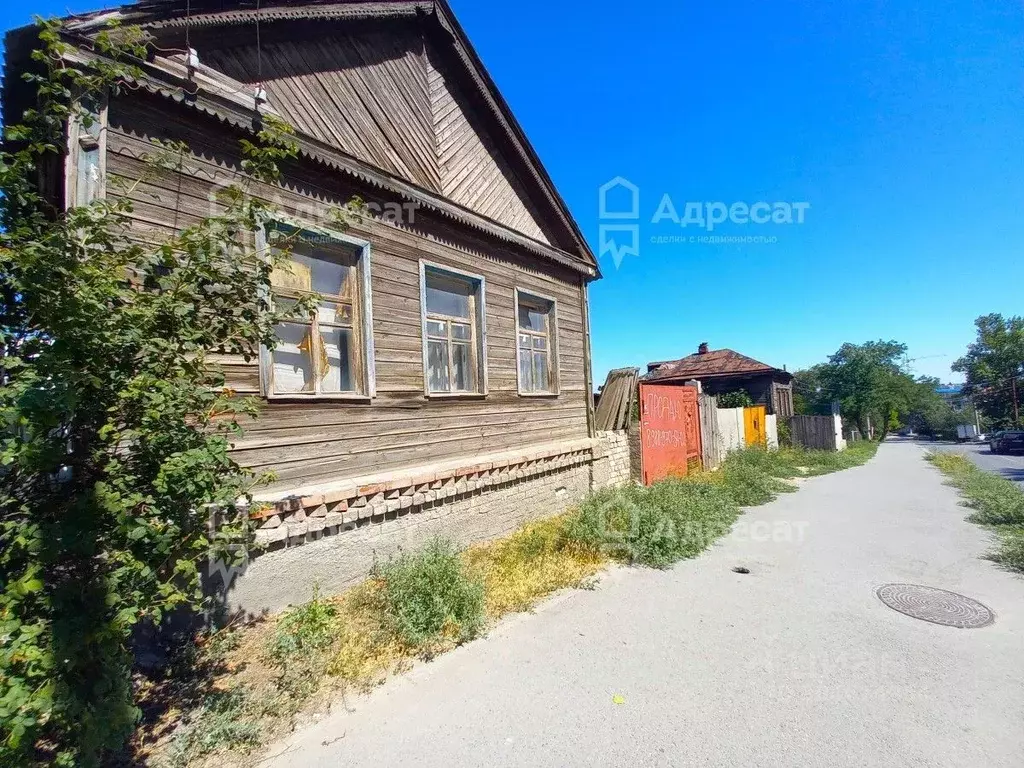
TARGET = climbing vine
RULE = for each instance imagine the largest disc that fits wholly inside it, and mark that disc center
(116, 422)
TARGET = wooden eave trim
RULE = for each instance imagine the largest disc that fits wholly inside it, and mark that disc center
(149, 19)
(230, 109)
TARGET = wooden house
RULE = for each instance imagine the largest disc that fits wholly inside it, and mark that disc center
(446, 377)
(723, 370)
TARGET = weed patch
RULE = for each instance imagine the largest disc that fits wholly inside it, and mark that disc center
(429, 597)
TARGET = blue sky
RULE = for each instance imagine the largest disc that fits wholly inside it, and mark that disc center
(901, 124)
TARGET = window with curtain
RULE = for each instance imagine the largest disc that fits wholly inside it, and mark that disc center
(86, 161)
(536, 344)
(323, 355)
(452, 332)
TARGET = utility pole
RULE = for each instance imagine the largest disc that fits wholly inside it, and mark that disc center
(1016, 407)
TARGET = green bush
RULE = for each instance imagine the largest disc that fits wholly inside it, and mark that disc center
(227, 720)
(1011, 550)
(748, 485)
(679, 518)
(428, 597)
(738, 399)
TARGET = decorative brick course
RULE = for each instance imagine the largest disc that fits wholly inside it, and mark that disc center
(346, 527)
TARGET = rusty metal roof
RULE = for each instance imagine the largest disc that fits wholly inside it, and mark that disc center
(716, 362)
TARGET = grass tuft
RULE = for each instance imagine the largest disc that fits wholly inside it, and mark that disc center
(430, 599)
(997, 502)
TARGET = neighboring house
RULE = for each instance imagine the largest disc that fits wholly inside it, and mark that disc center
(448, 369)
(723, 370)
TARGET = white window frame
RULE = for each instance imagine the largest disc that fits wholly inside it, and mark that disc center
(479, 328)
(555, 365)
(364, 258)
(80, 141)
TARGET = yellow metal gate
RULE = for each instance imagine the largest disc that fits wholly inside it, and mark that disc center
(753, 425)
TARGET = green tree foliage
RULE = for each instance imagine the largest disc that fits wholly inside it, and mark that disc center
(737, 399)
(870, 381)
(116, 424)
(809, 395)
(994, 367)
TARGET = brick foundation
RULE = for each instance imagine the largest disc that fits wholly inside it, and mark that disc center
(331, 537)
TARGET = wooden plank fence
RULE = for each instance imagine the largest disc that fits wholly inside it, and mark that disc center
(615, 407)
(710, 439)
(818, 432)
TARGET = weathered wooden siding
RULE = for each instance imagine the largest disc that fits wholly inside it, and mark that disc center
(472, 170)
(364, 93)
(307, 442)
(382, 96)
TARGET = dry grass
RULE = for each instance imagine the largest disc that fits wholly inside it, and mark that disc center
(530, 564)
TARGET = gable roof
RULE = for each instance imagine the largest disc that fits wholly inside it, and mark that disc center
(170, 21)
(717, 362)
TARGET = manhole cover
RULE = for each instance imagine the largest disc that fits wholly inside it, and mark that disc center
(938, 606)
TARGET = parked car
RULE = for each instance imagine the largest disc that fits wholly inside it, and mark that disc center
(1008, 441)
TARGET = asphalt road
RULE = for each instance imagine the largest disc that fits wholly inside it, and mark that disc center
(1009, 466)
(796, 664)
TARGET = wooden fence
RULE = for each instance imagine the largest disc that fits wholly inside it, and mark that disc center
(710, 439)
(817, 432)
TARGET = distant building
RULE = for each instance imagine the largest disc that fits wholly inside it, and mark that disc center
(724, 370)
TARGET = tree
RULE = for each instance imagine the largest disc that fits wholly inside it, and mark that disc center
(870, 381)
(117, 426)
(809, 395)
(994, 368)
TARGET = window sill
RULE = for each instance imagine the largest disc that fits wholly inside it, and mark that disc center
(318, 398)
(539, 394)
(456, 395)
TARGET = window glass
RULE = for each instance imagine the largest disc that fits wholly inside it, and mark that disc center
(323, 355)
(339, 344)
(526, 371)
(536, 356)
(540, 371)
(448, 296)
(437, 366)
(451, 306)
(462, 368)
(293, 368)
(531, 318)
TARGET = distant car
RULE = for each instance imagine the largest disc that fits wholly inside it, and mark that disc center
(993, 441)
(1008, 441)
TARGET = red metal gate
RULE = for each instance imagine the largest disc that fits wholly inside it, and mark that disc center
(669, 430)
